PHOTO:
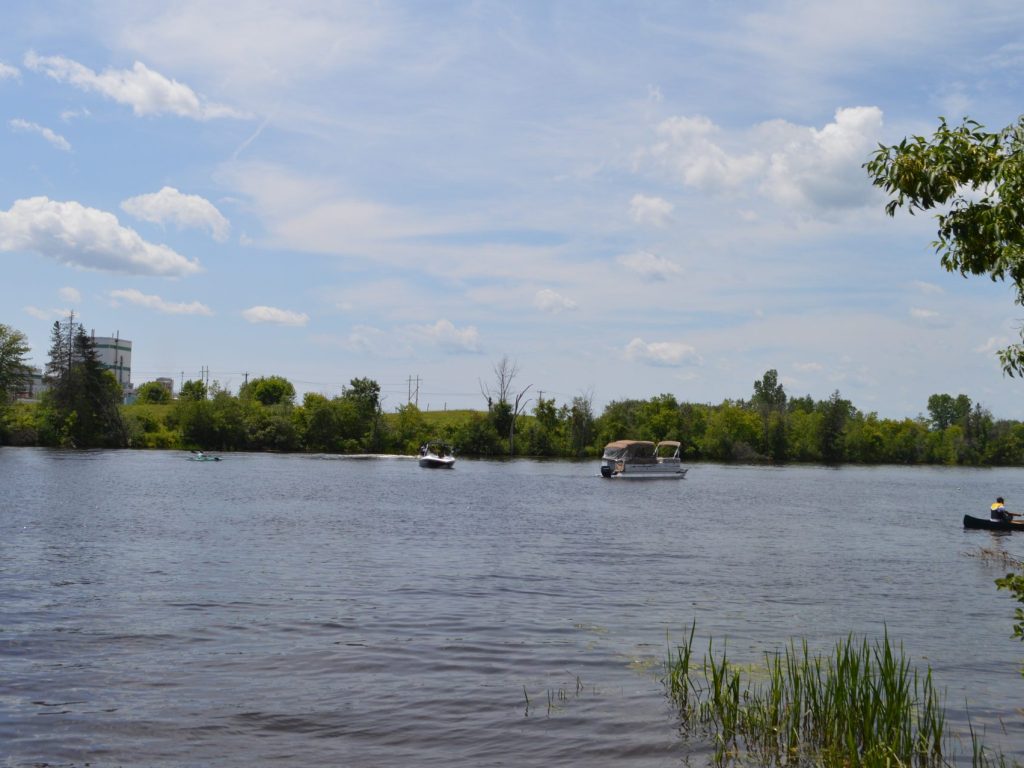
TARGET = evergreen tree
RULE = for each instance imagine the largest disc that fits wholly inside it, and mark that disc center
(82, 405)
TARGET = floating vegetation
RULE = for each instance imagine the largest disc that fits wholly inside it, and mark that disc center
(998, 557)
(556, 699)
(862, 706)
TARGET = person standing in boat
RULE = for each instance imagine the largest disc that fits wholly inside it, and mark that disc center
(1000, 513)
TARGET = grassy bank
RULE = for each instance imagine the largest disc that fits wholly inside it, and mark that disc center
(862, 705)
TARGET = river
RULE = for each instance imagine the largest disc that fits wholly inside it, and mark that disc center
(324, 610)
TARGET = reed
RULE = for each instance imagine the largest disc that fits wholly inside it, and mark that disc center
(861, 706)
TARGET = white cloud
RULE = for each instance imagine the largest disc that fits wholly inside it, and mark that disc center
(992, 343)
(134, 296)
(791, 164)
(445, 335)
(183, 210)
(548, 300)
(71, 114)
(70, 294)
(809, 367)
(264, 314)
(85, 237)
(7, 72)
(923, 314)
(926, 288)
(688, 151)
(272, 45)
(661, 353)
(46, 314)
(145, 91)
(55, 139)
(649, 265)
(366, 338)
(823, 167)
(650, 210)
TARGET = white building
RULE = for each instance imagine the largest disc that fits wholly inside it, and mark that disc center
(115, 354)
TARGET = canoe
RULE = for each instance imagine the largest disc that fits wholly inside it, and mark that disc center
(991, 525)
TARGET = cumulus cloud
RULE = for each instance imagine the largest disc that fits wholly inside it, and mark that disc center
(7, 72)
(55, 139)
(788, 163)
(145, 91)
(661, 353)
(652, 211)
(823, 167)
(185, 211)
(264, 314)
(70, 294)
(547, 300)
(649, 265)
(133, 296)
(85, 237)
(444, 334)
(688, 150)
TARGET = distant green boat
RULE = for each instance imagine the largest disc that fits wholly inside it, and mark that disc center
(200, 456)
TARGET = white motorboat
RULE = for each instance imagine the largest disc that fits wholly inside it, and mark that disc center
(642, 460)
(437, 455)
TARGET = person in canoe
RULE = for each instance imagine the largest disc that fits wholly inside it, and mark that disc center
(1000, 513)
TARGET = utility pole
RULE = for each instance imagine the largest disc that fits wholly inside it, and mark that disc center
(413, 394)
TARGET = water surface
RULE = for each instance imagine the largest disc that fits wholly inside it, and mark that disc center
(269, 610)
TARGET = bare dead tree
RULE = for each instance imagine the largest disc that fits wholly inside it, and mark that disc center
(501, 402)
(505, 372)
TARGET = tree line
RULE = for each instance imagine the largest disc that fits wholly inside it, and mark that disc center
(82, 409)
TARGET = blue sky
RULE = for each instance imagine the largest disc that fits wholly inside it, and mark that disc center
(625, 199)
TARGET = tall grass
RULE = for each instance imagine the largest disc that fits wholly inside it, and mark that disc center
(862, 706)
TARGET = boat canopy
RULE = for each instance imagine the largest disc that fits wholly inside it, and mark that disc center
(629, 449)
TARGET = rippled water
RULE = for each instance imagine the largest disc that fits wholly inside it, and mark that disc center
(273, 610)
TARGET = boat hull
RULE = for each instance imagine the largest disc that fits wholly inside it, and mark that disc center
(981, 523)
(437, 462)
(642, 471)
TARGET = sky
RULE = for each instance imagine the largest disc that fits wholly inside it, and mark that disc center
(622, 199)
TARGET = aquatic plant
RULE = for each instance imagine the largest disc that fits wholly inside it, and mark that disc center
(861, 706)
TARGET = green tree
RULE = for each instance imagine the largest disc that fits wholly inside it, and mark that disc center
(543, 435)
(269, 390)
(732, 433)
(410, 428)
(82, 404)
(152, 392)
(319, 423)
(360, 414)
(835, 413)
(769, 394)
(945, 410)
(769, 400)
(14, 371)
(978, 178)
(579, 420)
(192, 390)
